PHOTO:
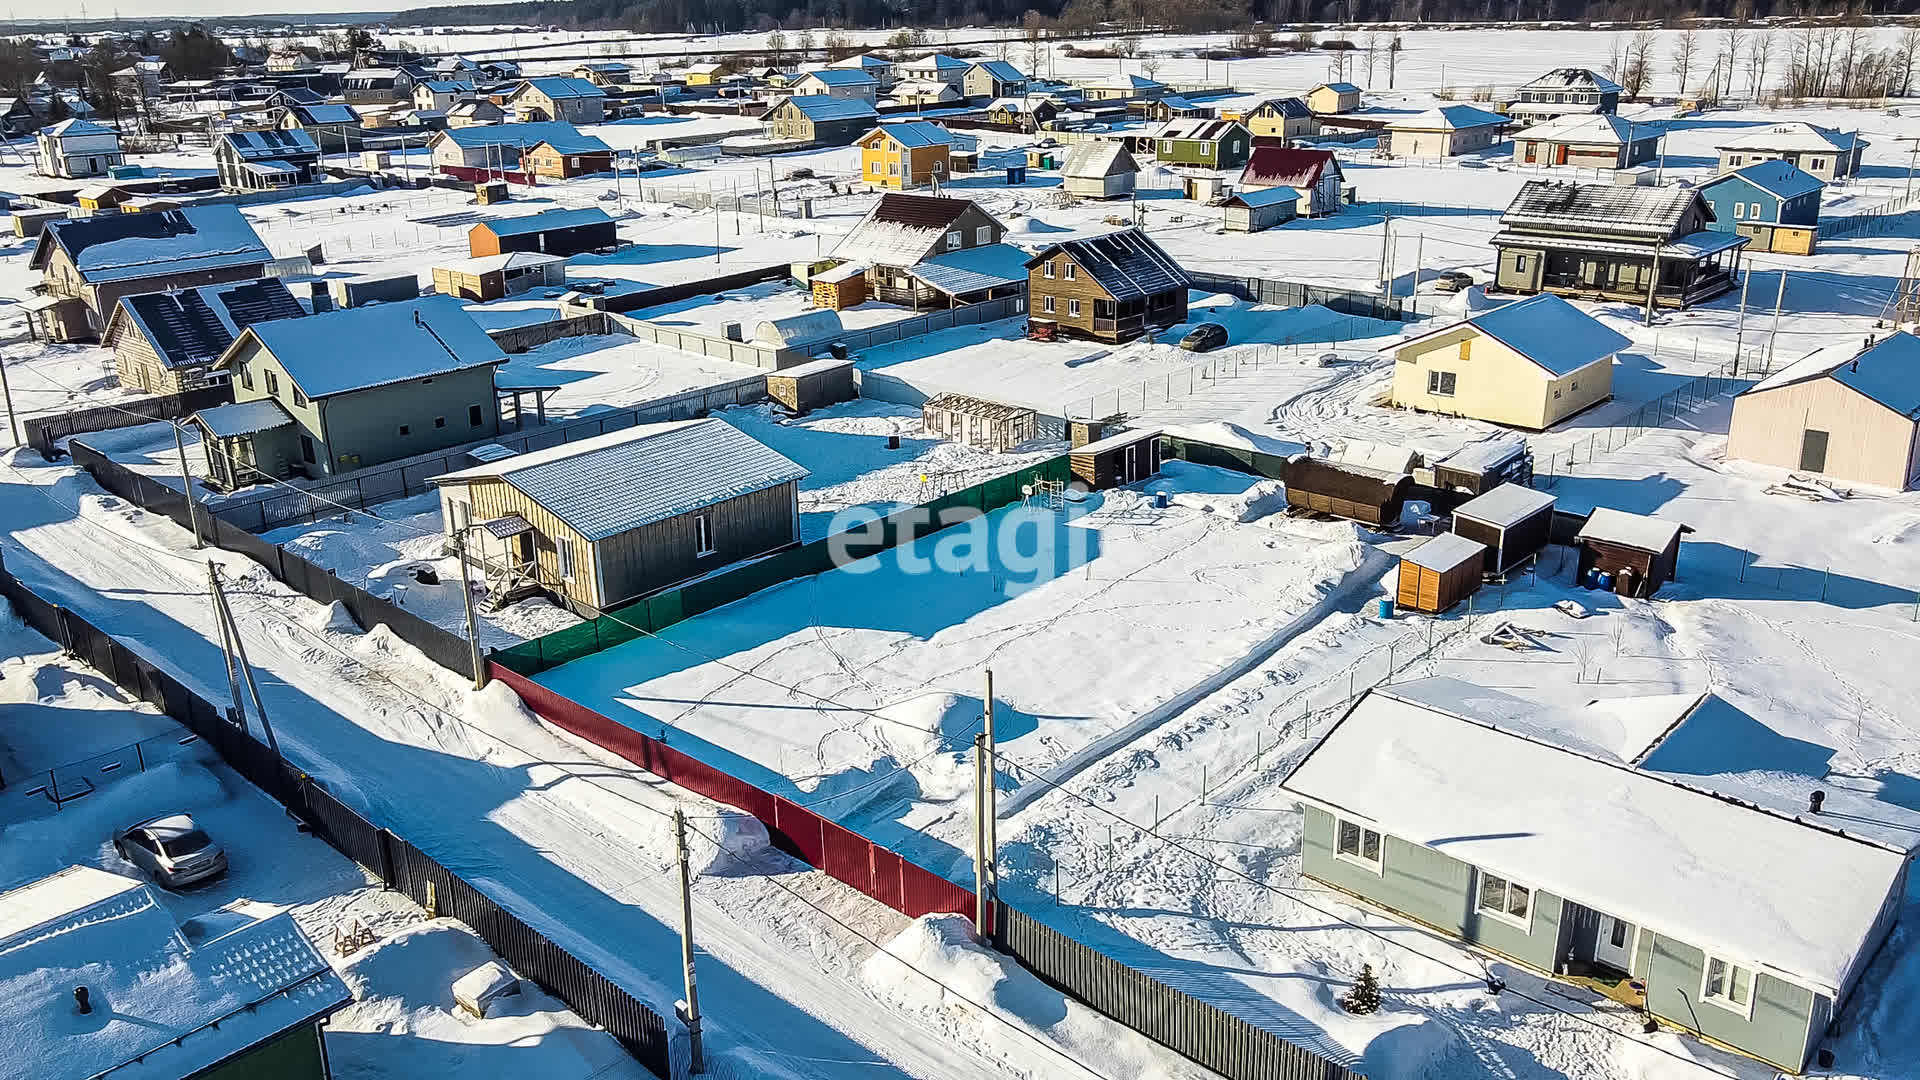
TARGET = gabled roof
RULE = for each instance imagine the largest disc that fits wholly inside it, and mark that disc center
(1197, 129)
(1254, 198)
(840, 77)
(822, 107)
(1887, 371)
(1556, 336)
(1591, 129)
(1337, 87)
(122, 247)
(547, 219)
(75, 126)
(938, 62)
(1000, 70)
(271, 144)
(195, 326)
(1287, 166)
(914, 134)
(1777, 178)
(865, 62)
(392, 343)
(1125, 82)
(576, 144)
(1573, 78)
(1126, 263)
(325, 113)
(1796, 136)
(559, 87)
(520, 136)
(1098, 159)
(615, 483)
(162, 1007)
(1485, 778)
(902, 229)
(1292, 108)
(446, 86)
(1651, 212)
(1447, 118)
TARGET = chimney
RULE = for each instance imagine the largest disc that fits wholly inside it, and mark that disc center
(80, 1000)
(1815, 800)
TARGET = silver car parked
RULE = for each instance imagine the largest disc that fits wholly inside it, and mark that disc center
(173, 849)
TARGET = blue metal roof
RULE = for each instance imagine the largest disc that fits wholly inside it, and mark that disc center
(1259, 197)
(1550, 332)
(827, 107)
(547, 219)
(1888, 371)
(386, 344)
(1777, 178)
(524, 136)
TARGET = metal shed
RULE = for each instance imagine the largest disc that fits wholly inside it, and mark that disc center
(1512, 521)
(1356, 492)
(1117, 460)
(1637, 553)
(1253, 211)
(976, 422)
(813, 385)
(1440, 573)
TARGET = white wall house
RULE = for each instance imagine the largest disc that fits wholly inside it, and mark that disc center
(78, 148)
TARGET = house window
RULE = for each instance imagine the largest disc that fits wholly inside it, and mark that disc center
(273, 384)
(1357, 843)
(1739, 210)
(1519, 264)
(405, 430)
(1073, 307)
(1070, 268)
(703, 534)
(1753, 211)
(246, 376)
(1046, 304)
(299, 397)
(306, 449)
(1166, 146)
(1505, 899)
(1046, 270)
(983, 235)
(1728, 985)
(953, 240)
(1817, 163)
(1441, 383)
(893, 168)
(439, 421)
(475, 417)
(563, 558)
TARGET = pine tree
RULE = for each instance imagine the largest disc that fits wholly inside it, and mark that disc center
(1364, 998)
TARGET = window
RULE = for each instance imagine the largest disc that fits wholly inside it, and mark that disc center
(953, 240)
(1046, 304)
(273, 384)
(1073, 307)
(893, 168)
(439, 421)
(1441, 383)
(983, 235)
(299, 397)
(1728, 985)
(405, 430)
(563, 558)
(1046, 270)
(1166, 146)
(306, 449)
(703, 534)
(1357, 843)
(1466, 349)
(1069, 270)
(1753, 211)
(1817, 163)
(475, 417)
(246, 376)
(1519, 264)
(1505, 899)
(1739, 210)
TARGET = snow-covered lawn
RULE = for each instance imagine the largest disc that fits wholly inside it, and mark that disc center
(608, 371)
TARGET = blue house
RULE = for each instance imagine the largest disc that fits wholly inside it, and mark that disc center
(1772, 202)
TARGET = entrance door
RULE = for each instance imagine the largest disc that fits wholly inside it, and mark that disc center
(1130, 463)
(1613, 944)
(1813, 450)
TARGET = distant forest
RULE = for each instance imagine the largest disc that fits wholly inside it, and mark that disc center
(1080, 16)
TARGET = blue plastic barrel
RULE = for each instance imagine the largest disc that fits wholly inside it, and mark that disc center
(1605, 579)
(1386, 607)
(1160, 500)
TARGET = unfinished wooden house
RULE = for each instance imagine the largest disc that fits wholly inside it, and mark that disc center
(979, 423)
(1113, 287)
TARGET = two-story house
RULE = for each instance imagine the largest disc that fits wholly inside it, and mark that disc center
(1112, 287)
(556, 97)
(1601, 242)
(1564, 91)
(74, 148)
(88, 264)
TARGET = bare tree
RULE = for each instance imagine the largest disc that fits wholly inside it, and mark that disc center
(1730, 40)
(1853, 72)
(1758, 54)
(1905, 53)
(1129, 45)
(1638, 67)
(1373, 52)
(1615, 47)
(1685, 47)
(1150, 67)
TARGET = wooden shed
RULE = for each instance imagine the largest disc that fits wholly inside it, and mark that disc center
(1117, 460)
(813, 385)
(1478, 469)
(1512, 521)
(1261, 209)
(1440, 573)
(976, 422)
(1636, 552)
(1348, 491)
(842, 287)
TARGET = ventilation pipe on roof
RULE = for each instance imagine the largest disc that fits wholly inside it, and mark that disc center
(80, 1000)
(1815, 801)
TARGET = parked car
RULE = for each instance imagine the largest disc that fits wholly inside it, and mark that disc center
(1205, 337)
(173, 849)
(1453, 281)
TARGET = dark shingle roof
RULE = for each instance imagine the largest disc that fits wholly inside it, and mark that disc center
(1601, 208)
(923, 211)
(1125, 263)
(117, 247)
(193, 326)
(1282, 166)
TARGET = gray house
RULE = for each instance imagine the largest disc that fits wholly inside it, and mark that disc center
(1540, 835)
(621, 515)
(263, 160)
(418, 378)
(558, 97)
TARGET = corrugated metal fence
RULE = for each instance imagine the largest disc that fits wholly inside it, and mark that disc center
(1299, 294)
(44, 431)
(397, 863)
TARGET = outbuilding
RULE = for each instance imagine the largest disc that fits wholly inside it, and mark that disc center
(1355, 492)
(1099, 170)
(552, 232)
(979, 423)
(562, 158)
(1257, 211)
(1637, 553)
(1479, 468)
(813, 385)
(1439, 574)
(1335, 97)
(1843, 411)
(1511, 521)
(841, 287)
(1446, 131)
(1117, 460)
(491, 277)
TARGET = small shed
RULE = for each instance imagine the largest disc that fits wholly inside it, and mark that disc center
(1440, 573)
(551, 232)
(1513, 522)
(843, 286)
(794, 331)
(373, 288)
(489, 192)
(1099, 170)
(491, 277)
(30, 221)
(101, 198)
(1478, 469)
(979, 423)
(813, 385)
(1355, 492)
(1637, 552)
(1117, 460)
(1254, 211)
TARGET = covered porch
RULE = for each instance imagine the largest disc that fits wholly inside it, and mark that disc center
(248, 442)
(1679, 273)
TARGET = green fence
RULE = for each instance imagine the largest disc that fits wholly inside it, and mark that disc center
(1239, 459)
(651, 614)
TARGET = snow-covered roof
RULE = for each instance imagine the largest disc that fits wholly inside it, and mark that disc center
(1573, 78)
(547, 219)
(1798, 136)
(1588, 129)
(826, 107)
(519, 136)
(1481, 456)
(865, 62)
(124, 247)
(1445, 552)
(510, 260)
(1436, 762)
(1337, 87)
(272, 144)
(1637, 531)
(1118, 439)
(1447, 118)
(1887, 371)
(392, 343)
(1777, 178)
(937, 62)
(1287, 166)
(1255, 198)
(1098, 159)
(244, 418)
(76, 127)
(161, 1008)
(901, 229)
(1197, 129)
(1131, 83)
(973, 269)
(800, 329)
(621, 481)
(1504, 506)
(818, 366)
(1555, 335)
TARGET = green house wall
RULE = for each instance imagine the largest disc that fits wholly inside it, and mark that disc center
(296, 1055)
(1778, 1033)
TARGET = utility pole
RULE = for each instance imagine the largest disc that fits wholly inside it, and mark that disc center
(993, 795)
(226, 645)
(1779, 301)
(6, 395)
(1653, 286)
(1740, 327)
(240, 654)
(980, 781)
(186, 484)
(1386, 235)
(716, 227)
(466, 598)
(1419, 249)
(689, 1009)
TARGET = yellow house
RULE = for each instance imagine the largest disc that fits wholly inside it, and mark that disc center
(1337, 97)
(905, 155)
(705, 74)
(1528, 364)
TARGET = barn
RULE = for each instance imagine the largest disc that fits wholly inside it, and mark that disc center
(1512, 521)
(1355, 492)
(976, 422)
(1117, 460)
(552, 232)
(1440, 573)
(813, 385)
(1637, 553)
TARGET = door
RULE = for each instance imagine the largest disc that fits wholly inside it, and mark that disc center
(1560, 154)
(1813, 451)
(1613, 944)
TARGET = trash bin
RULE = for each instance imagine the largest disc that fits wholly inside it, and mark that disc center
(1386, 607)
(1159, 500)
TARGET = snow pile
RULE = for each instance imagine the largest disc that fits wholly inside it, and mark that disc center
(1032, 226)
(404, 1022)
(1227, 433)
(942, 947)
(1236, 497)
(335, 619)
(1468, 301)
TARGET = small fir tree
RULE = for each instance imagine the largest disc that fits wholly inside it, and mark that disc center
(1364, 998)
